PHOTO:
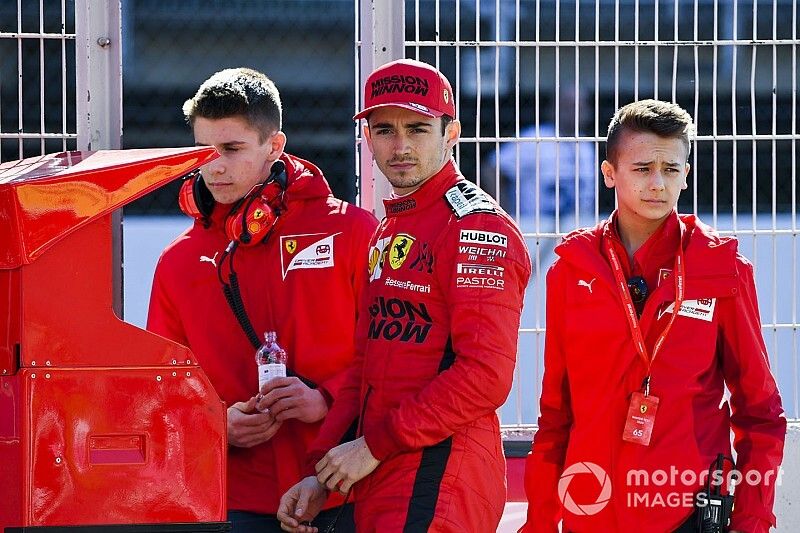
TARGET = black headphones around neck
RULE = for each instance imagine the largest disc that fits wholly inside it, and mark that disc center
(252, 217)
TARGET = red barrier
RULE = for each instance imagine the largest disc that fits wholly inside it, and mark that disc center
(101, 422)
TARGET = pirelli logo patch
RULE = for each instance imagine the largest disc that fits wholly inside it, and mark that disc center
(466, 198)
(479, 276)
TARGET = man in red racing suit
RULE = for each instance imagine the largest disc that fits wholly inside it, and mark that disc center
(437, 335)
(303, 282)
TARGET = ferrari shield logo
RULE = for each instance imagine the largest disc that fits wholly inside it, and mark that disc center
(291, 245)
(398, 251)
(643, 408)
(258, 213)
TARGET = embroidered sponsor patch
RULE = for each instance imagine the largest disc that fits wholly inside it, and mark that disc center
(313, 250)
(702, 309)
(483, 237)
(423, 262)
(419, 106)
(212, 259)
(474, 252)
(480, 270)
(466, 198)
(401, 206)
(398, 251)
(377, 257)
(407, 285)
(396, 319)
(479, 282)
(479, 276)
(587, 284)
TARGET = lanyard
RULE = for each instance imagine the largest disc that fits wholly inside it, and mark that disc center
(630, 310)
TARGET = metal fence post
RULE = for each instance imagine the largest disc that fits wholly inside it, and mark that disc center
(98, 80)
(98, 51)
(382, 29)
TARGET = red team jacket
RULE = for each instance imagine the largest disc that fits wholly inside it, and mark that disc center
(437, 347)
(592, 366)
(304, 283)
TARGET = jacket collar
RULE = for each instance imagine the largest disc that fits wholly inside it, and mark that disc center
(661, 245)
(710, 259)
(430, 191)
(304, 181)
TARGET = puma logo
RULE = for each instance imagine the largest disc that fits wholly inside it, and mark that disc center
(212, 260)
(587, 284)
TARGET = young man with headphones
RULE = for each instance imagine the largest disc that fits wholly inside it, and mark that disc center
(270, 249)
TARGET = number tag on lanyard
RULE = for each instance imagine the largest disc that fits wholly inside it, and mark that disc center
(640, 419)
(642, 410)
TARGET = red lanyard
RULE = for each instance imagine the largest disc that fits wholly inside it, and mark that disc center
(630, 310)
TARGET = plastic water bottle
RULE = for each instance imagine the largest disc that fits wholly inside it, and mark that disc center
(271, 359)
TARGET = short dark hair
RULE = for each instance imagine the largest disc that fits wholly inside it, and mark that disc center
(665, 119)
(446, 120)
(238, 92)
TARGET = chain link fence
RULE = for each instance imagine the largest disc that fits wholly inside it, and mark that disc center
(37, 78)
(305, 46)
(731, 63)
(522, 64)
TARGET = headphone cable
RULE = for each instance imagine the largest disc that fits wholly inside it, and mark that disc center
(234, 298)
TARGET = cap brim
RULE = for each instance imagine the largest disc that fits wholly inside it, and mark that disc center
(404, 105)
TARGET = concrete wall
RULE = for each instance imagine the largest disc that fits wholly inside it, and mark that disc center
(787, 494)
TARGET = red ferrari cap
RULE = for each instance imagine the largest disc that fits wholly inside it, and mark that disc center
(409, 84)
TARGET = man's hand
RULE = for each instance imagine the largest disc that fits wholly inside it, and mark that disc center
(348, 463)
(300, 504)
(247, 427)
(289, 398)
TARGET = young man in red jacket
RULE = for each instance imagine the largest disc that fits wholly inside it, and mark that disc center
(437, 333)
(649, 316)
(270, 241)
